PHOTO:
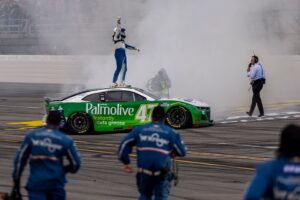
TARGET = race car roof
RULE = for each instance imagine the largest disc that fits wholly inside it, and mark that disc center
(109, 89)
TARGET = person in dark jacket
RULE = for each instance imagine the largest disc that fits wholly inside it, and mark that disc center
(46, 148)
(279, 179)
(155, 144)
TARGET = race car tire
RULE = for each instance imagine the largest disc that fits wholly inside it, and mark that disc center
(178, 117)
(79, 123)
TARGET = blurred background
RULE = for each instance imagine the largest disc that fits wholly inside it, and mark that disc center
(205, 46)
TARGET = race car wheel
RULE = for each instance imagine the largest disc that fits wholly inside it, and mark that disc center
(177, 117)
(79, 123)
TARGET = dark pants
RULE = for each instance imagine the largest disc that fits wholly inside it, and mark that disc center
(256, 88)
(154, 185)
(53, 194)
(121, 61)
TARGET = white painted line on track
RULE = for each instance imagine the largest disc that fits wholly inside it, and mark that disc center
(292, 112)
(283, 117)
(269, 118)
(237, 117)
(272, 114)
(227, 122)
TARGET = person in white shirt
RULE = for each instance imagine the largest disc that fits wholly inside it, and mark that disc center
(256, 73)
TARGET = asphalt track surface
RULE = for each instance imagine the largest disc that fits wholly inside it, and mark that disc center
(220, 163)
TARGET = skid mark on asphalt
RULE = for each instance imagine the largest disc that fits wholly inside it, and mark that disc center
(230, 156)
(26, 125)
(210, 164)
(222, 166)
(114, 148)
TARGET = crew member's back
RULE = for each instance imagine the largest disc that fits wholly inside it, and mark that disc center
(279, 178)
(155, 143)
(48, 146)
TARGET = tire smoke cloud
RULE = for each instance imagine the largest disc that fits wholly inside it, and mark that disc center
(205, 46)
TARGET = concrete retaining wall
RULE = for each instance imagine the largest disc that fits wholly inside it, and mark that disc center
(40, 69)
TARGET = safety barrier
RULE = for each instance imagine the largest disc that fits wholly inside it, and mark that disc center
(51, 69)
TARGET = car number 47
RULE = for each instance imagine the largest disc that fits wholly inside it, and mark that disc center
(144, 112)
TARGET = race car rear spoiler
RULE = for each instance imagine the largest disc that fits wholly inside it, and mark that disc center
(48, 100)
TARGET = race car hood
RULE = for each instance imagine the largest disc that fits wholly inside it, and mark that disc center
(193, 102)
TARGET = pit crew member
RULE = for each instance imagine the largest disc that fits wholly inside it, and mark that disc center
(279, 179)
(155, 143)
(46, 148)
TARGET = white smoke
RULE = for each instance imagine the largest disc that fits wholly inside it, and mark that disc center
(205, 46)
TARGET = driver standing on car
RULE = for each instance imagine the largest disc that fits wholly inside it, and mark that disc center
(120, 53)
(46, 148)
(155, 143)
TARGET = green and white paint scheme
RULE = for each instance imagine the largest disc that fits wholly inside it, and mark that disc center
(117, 109)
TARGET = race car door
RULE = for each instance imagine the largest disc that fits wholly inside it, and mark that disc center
(130, 108)
(122, 109)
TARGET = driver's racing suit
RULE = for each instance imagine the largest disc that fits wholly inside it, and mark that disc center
(120, 53)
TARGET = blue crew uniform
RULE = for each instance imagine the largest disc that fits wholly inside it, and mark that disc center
(155, 142)
(46, 149)
(120, 52)
(278, 179)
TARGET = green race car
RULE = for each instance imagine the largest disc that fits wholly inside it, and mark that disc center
(119, 109)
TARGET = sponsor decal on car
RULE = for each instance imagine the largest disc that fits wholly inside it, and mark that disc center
(111, 123)
(104, 118)
(103, 109)
(144, 112)
(116, 123)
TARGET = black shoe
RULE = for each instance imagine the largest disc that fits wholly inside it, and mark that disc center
(249, 114)
(261, 115)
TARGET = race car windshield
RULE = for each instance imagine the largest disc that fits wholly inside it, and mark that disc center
(148, 94)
